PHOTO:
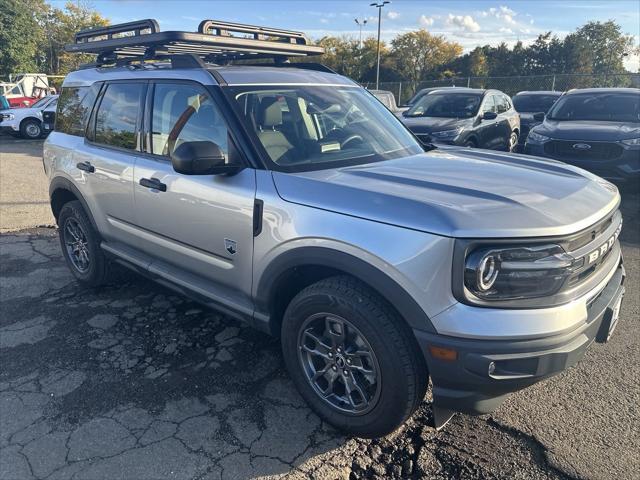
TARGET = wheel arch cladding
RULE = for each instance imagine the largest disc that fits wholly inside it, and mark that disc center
(62, 191)
(320, 263)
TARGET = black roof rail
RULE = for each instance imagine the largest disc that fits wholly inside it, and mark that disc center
(215, 41)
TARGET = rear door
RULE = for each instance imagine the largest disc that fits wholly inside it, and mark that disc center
(198, 228)
(107, 156)
(486, 129)
(503, 122)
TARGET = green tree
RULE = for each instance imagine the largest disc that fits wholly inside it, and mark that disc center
(605, 42)
(20, 35)
(418, 54)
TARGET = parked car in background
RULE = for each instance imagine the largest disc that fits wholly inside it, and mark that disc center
(49, 118)
(388, 100)
(422, 92)
(465, 116)
(532, 106)
(26, 122)
(597, 129)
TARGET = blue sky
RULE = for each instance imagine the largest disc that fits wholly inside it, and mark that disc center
(469, 22)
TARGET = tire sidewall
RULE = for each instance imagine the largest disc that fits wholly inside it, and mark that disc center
(74, 210)
(391, 406)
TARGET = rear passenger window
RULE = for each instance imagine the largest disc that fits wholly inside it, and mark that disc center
(184, 113)
(74, 108)
(501, 103)
(117, 116)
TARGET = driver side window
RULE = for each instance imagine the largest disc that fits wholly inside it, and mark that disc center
(185, 113)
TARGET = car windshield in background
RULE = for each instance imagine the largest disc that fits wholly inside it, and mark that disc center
(534, 103)
(603, 107)
(314, 127)
(40, 102)
(450, 105)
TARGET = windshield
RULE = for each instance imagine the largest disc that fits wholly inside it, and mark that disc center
(313, 127)
(454, 105)
(534, 103)
(41, 102)
(607, 107)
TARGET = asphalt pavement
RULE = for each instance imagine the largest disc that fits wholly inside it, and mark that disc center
(130, 381)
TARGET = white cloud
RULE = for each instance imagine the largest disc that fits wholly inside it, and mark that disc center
(465, 22)
(392, 15)
(508, 31)
(324, 20)
(425, 21)
(507, 11)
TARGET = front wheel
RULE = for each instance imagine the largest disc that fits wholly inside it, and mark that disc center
(352, 358)
(31, 129)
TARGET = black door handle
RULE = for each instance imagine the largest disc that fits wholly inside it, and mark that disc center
(153, 183)
(86, 167)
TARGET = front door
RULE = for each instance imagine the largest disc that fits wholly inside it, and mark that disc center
(199, 225)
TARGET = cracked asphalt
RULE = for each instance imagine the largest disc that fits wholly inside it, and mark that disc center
(131, 381)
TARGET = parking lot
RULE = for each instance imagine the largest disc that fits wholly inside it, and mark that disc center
(132, 381)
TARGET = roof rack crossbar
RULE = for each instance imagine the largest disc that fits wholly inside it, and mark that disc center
(137, 28)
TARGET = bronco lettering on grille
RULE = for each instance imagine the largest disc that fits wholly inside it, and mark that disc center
(605, 247)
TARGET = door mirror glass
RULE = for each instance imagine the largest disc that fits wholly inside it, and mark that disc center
(202, 158)
(538, 117)
(489, 115)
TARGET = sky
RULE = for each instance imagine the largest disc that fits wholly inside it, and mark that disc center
(468, 22)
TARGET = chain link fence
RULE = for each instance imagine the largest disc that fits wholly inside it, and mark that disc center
(403, 91)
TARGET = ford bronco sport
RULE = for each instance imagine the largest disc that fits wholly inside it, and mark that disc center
(287, 196)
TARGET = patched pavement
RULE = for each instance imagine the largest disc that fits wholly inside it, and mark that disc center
(131, 381)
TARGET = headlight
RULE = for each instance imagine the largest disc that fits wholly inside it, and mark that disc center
(632, 142)
(447, 134)
(7, 116)
(534, 137)
(516, 272)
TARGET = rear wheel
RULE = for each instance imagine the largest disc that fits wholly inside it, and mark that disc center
(513, 142)
(471, 143)
(352, 358)
(81, 245)
(31, 129)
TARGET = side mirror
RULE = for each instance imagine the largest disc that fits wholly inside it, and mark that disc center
(201, 158)
(489, 115)
(538, 117)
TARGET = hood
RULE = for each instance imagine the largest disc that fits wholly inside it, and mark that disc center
(460, 193)
(589, 130)
(433, 124)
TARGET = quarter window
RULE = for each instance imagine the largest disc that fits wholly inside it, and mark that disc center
(117, 116)
(74, 107)
(185, 113)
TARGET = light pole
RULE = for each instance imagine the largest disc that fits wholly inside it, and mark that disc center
(361, 23)
(379, 7)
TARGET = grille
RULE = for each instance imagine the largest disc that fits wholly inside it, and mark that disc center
(565, 149)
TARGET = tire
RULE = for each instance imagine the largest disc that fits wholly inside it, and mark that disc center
(31, 129)
(471, 144)
(513, 142)
(76, 228)
(399, 380)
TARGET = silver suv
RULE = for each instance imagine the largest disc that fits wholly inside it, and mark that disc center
(287, 196)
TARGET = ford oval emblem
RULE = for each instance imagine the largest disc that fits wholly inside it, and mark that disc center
(581, 146)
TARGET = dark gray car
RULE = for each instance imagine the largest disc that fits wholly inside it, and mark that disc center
(465, 116)
(597, 129)
(532, 106)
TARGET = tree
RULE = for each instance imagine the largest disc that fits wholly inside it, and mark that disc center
(605, 42)
(20, 36)
(418, 54)
(477, 63)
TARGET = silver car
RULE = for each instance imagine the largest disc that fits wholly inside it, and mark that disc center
(288, 197)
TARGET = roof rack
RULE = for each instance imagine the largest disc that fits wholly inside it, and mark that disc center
(215, 42)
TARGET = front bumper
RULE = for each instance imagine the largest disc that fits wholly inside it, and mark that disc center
(624, 167)
(486, 371)
(9, 126)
